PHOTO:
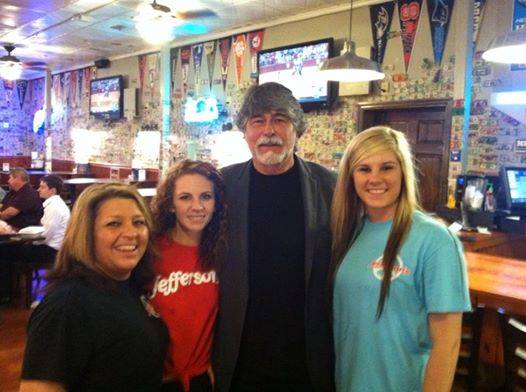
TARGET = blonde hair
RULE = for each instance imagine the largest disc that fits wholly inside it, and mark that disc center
(348, 210)
(76, 256)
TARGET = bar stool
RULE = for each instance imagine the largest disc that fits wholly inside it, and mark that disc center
(466, 373)
(514, 342)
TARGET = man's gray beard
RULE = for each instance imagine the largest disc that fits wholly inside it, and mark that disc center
(272, 158)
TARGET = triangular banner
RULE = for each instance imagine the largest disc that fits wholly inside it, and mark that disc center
(478, 14)
(210, 53)
(174, 52)
(142, 70)
(197, 53)
(255, 43)
(239, 51)
(185, 52)
(21, 87)
(224, 49)
(409, 11)
(381, 18)
(440, 12)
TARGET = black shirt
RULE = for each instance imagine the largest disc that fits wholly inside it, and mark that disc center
(93, 339)
(272, 351)
(27, 201)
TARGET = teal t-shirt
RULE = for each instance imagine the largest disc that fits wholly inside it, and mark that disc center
(390, 354)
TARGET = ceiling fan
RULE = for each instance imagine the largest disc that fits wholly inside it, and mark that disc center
(182, 15)
(10, 60)
(158, 23)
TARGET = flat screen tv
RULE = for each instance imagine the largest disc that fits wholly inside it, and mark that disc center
(513, 184)
(106, 98)
(295, 67)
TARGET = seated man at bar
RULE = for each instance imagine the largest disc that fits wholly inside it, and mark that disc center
(54, 221)
(21, 207)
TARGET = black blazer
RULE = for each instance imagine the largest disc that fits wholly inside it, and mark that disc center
(317, 185)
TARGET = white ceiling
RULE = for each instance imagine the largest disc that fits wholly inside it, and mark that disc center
(66, 34)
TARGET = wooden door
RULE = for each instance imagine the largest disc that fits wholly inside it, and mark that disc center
(427, 126)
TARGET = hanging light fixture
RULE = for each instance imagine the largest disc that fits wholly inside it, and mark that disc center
(509, 48)
(154, 23)
(11, 70)
(10, 66)
(348, 66)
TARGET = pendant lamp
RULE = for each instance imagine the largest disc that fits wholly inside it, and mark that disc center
(348, 66)
(509, 48)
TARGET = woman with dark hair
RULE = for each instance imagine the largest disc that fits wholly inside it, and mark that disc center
(399, 276)
(189, 212)
(92, 331)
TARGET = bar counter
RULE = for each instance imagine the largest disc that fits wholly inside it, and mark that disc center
(497, 282)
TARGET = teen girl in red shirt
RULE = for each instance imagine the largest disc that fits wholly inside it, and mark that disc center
(190, 216)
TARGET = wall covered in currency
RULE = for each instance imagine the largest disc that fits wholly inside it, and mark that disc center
(19, 101)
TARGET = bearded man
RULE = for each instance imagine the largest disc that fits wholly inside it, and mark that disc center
(273, 331)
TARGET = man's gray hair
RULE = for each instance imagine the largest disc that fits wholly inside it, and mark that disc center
(268, 97)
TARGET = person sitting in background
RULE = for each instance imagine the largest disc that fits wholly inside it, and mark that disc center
(54, 221)
(21, 207)
(93, 330)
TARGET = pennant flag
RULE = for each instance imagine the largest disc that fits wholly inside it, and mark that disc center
(440, 12)
(86, 76)
(409, 11)
(185, 53)
(224, 49)
(210, 52)
(73, 88)
(21, 87)
(80, 83)
(65, 87)
(239, 51)
(173, 67)
(478, 14)
(142, 70)
(197, 53)
(255, 43)
(381, 18)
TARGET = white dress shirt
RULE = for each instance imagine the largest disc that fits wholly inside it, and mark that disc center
(55, 220)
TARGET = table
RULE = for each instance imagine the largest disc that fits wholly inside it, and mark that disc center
(76, 185)
(497, 243)
(17, 238)
(497, 282)
(147, 192)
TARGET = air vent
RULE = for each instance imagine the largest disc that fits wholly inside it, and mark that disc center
(118, 27)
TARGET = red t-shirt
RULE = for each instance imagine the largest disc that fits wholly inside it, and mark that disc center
(186, 298)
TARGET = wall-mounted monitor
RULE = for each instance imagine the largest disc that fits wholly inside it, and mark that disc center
(106, 98)
(296, 67)
(513, 183)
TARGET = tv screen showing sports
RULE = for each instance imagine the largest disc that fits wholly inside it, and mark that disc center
(106, 97)
(515, 187)
(295, 67)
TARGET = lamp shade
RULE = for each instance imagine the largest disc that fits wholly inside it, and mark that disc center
(509, 48)
(349, 67)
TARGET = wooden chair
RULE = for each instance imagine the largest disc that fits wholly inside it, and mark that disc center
(514, 343)
(30, 272)
(466, 374)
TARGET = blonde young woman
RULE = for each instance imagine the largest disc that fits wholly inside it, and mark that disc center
(399, 276)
